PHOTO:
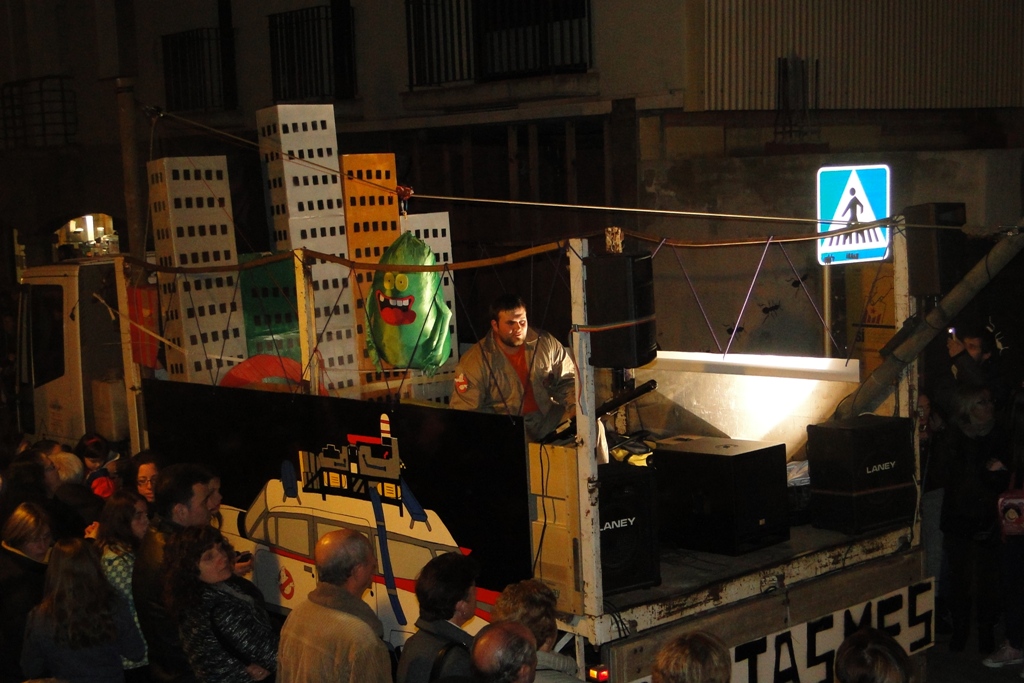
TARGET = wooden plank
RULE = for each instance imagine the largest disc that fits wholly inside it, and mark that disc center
(586, 439)
(783, 572)
(555, 526)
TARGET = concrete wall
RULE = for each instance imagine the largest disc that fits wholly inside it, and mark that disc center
(636, 55)
(156, 19)
(779, 317)
(640, 53)
(650, 60)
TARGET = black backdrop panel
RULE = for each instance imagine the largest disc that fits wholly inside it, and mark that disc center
(469, 468)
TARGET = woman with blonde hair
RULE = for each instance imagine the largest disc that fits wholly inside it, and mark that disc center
(532, 604)
(872, 656)
(693, 658)
(83, 627)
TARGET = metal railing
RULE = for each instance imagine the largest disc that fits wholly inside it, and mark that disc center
(38, 112)
(311, 53)
(199, 73)
(451, 41)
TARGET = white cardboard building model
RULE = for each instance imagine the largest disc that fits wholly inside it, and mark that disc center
(193, 225)
(299, 149)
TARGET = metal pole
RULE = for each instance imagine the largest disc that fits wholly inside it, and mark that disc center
(125, 89)
(586, 432)
(826, 307)
(877, 387)
(137, 434)
(905, 309)
(307, 322)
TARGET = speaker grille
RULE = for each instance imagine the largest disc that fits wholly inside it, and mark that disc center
(862, 473)
(629, 537)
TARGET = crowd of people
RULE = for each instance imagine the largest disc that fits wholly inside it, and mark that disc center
(115, 569)
(971, 429)
(133, 581)
(70, 524)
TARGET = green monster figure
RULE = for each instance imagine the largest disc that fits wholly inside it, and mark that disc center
(405, 312)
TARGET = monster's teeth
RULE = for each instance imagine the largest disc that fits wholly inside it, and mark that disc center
(396, 303)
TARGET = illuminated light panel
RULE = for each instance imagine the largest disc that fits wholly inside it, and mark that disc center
(756, 398)
(797, 367)
(761, 417)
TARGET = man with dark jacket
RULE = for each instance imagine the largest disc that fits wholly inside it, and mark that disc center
(446, 591)
(182, 500)
(974, 361)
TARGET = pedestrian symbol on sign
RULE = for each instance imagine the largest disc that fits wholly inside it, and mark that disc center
(848, 196)
(853, 206)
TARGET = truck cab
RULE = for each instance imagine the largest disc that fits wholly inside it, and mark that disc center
(70, 368)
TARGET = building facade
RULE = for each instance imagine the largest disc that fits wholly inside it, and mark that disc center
(701, 105)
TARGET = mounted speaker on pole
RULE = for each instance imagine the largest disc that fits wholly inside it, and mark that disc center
(620, 291)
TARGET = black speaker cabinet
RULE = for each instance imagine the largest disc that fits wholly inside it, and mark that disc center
(862, 473)
(721, 495)
(620, 288)
(629, 528)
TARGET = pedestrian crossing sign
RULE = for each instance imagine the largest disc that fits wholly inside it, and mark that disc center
(848, 195)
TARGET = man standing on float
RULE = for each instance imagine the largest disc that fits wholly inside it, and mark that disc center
(516, 370)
